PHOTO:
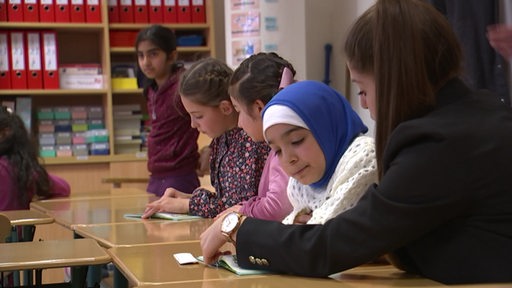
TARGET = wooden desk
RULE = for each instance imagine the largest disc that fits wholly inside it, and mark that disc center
(96, 210)
(155, 264)
(51, 254)
(144, 232)
(27, 217)
(301, 282)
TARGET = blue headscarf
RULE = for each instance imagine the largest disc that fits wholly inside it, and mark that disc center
(329, 117)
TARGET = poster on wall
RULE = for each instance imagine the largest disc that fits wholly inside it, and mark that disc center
(251, 27)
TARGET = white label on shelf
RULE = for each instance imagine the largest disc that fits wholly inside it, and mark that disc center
(82, 157)
(34, 51)
(50, 51)
(18, 53)
(4, 54)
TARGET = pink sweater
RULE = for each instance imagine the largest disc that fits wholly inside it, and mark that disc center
(9, 199)
(272, 202)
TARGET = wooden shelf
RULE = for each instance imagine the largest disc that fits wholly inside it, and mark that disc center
(92, 159)
(52, 92)
(177, 26)
(186, 49)
(90, 43)
(55, 26)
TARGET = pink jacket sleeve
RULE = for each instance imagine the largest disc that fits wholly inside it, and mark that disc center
(272, 202)
(59, 186)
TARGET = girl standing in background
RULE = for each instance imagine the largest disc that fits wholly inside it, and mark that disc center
(172, 144)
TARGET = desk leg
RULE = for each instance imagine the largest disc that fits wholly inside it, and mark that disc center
(78, 276)
(93, 273)
(119, 280)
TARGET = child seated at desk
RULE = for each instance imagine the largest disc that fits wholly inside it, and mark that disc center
(21, 174)
(236, 161)
(319, 141)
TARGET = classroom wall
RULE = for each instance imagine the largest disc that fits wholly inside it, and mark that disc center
(308, 26)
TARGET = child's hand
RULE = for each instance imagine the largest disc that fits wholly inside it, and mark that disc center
(303, 216)
(211, 241)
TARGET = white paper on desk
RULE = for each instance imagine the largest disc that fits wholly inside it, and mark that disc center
(164, 215)
(229, 263)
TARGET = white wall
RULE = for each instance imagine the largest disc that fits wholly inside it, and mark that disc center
(306, 26)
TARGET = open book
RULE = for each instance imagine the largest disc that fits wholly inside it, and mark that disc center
(230, 263)
(164, 215)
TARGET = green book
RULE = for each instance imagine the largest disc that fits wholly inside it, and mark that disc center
(164, 215)
(230, 263)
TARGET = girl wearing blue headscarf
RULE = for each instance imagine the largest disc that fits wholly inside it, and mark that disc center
(320, 144)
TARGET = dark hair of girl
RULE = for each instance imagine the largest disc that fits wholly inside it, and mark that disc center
(411, 50)
(258, 78)
(163, 38)
(206, 82)
(21, 153)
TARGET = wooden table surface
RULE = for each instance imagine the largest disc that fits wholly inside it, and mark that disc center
(51, 254)
(155, 265)
(95, 210)
(27, 217)
(144, 232)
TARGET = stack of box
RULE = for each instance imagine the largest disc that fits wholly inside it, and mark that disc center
(127, 128)
(72, 131)
(80, 76)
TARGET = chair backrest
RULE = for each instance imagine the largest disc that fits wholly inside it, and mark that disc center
(5, 227)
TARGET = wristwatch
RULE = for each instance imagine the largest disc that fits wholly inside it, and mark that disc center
(230, 224)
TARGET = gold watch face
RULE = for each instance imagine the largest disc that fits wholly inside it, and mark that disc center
(229, 223)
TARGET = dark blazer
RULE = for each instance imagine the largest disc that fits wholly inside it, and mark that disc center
(443, 206)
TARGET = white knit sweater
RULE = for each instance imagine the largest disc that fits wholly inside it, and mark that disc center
(356, 170)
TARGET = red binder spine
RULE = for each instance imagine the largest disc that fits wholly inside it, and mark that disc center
(47, 11)
(62, 11)
(30, 11)
(14, 11)
(155, 11)
(92, 11)
(3, 11)
(198, 11)
(169, 11)
(77, 11)
(18, 65)
(5, 74)
(50, 60)
(140, 12)
(113, 11)
(126, 11)
(184, 15)
(34, 67)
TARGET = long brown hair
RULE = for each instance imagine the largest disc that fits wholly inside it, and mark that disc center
(411, 51)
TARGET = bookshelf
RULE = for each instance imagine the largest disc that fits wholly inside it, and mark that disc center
(90, 43)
